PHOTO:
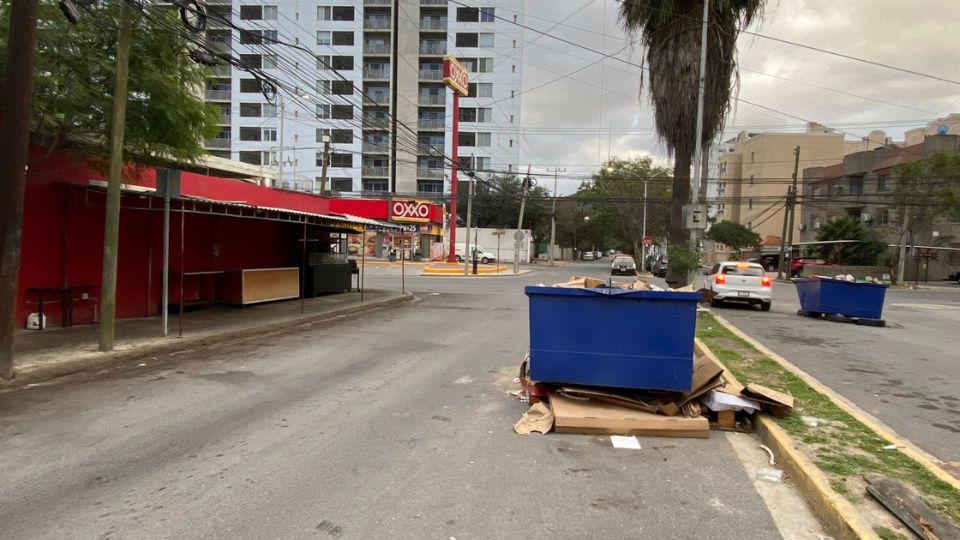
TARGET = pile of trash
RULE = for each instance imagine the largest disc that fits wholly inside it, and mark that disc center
(850, 278)
(715, 400)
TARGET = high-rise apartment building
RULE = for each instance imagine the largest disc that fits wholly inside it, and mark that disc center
(368, 75)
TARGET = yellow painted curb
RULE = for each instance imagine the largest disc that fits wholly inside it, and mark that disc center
(459, 271)
(932, 464)
(836, 514)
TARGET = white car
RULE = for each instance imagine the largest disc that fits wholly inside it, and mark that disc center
(587, 255)
(484, 256)
(744, 282)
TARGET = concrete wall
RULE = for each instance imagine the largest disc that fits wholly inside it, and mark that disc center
(488, 240)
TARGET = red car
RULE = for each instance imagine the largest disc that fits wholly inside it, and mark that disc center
(799, 264)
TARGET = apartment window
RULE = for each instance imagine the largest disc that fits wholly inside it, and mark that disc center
(323, 112)
(323, 87)
(343, 38)
(342, 63)
(467, 39)
(511, 143)
(482, 163)
(467, 139)
(487, 14)
(468, 114)
(324, 13)
(856, 186)
(753, 157)
(486, 40)
(513, 68)
(514, 44)
(342, 136)
(251, 61)
(751, 179)
(483, 139)
(341, 183)
(324, 37)
(470, 64)
(270, 134)
(341, 160)
(342, 112)
(343, 13)
(468, 14)
(485, 65)
(324, 62)
(881, 216)
(270, 36)
(484, 115)
(269, 110)
(749, 204)
(817, 192)
(249, 134)
(511, 118)
(250, 110)
(249, 86)
(268, 158)
(269, 13)
(269, 61)
(883, 182)
(513, 94)
(342, 88)
(253, 158)
(480, 89)
(251, 37)
(374, 185)
(251, 13)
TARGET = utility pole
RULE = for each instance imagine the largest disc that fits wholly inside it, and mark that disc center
(902, 261)
(326, 163)
(111, 228)
(788, 216)
(793, 205)
(466, 241)
(697, 151)
(643, 249)
(518, 236)
(553, 214)
(280, 152)
(14, 141)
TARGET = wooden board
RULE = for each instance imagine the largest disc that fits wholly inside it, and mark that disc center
(912, 511)
(255, 285)
(768, 394)
(574, 416)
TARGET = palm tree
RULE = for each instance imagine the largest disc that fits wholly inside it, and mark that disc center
(670, 30)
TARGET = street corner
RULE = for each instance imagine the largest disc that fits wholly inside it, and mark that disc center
(482, 270)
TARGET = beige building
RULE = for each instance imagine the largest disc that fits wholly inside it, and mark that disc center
(755, 171)
(948, 125)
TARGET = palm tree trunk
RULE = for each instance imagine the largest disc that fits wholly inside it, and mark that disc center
(679, 236)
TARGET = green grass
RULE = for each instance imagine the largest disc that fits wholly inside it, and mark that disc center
(840, 445)
(886, 534)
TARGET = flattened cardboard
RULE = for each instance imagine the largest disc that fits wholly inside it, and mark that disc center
(706, 376)
(768, 395)
(575, 416)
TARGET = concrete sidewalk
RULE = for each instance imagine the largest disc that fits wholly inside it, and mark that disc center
(60, 351)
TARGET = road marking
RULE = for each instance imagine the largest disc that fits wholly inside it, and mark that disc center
(948, 307)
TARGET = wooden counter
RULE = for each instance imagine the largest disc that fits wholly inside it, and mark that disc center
(256, 285)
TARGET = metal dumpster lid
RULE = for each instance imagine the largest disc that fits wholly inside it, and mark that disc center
(613, 292)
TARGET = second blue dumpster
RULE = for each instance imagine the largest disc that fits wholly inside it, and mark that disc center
(823, 295)
(612, 337)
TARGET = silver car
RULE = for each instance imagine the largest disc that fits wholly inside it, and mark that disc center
(623, 265)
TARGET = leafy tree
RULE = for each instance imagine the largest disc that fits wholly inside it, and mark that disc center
(734, 235)
(74, 73)
(670, 32)
(496, 204)
(865, 252)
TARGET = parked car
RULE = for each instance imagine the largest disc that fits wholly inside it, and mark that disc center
(954, 277)
(798, 265)
(744, 282)
(587, 255)
(659, 267)
(483, 255)
(623, 265)
(769, 261)
(598, 255)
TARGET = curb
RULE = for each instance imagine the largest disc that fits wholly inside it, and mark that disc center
(41, 372)
(929, 462)
(478, 275)
(835, 513)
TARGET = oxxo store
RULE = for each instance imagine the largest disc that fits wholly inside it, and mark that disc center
(421, 237)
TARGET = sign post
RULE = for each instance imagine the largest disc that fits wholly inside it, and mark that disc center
(457, 78)
(499, 233)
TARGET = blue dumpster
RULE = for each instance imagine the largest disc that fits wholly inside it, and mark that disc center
(612, 337)
(838, 297)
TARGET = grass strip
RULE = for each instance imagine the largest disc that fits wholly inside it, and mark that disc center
(840, 445)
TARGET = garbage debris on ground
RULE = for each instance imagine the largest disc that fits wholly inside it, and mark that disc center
(638, 284)
(771, 460)
(770, 475)
(625, 443)
(538, 418)
(593, 417)
(909, 508)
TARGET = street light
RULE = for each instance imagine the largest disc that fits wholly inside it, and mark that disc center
(646, 180)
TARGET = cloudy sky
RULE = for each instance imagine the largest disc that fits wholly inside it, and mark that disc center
(567, 123)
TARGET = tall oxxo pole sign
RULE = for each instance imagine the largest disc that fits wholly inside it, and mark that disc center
(457, 78)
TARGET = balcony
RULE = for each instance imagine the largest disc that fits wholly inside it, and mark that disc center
(429, 173)
(376, 147)
(439, 100)
(370, 122)
(377, 99)
(431, 75)
(376, 48)
(377, 24)
(217, 19)
(433, 2)
(431, 123)
(437, 49)
(217, 95)
(425, 149)
(434, 25)
(376, 74)
(377, 2)
(217, 142)
(224, 118)
(375, 171)
(221, 70)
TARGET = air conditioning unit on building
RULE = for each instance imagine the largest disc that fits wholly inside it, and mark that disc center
(816, 226)
(803, 227)
(865, 217)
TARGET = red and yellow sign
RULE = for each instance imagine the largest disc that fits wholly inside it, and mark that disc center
(410, 210)
(456, 76)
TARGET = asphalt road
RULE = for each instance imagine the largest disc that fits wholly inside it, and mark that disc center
(396, 424)
(904, 374)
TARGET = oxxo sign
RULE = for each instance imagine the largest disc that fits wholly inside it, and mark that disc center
(409, 210)
(456, 76)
